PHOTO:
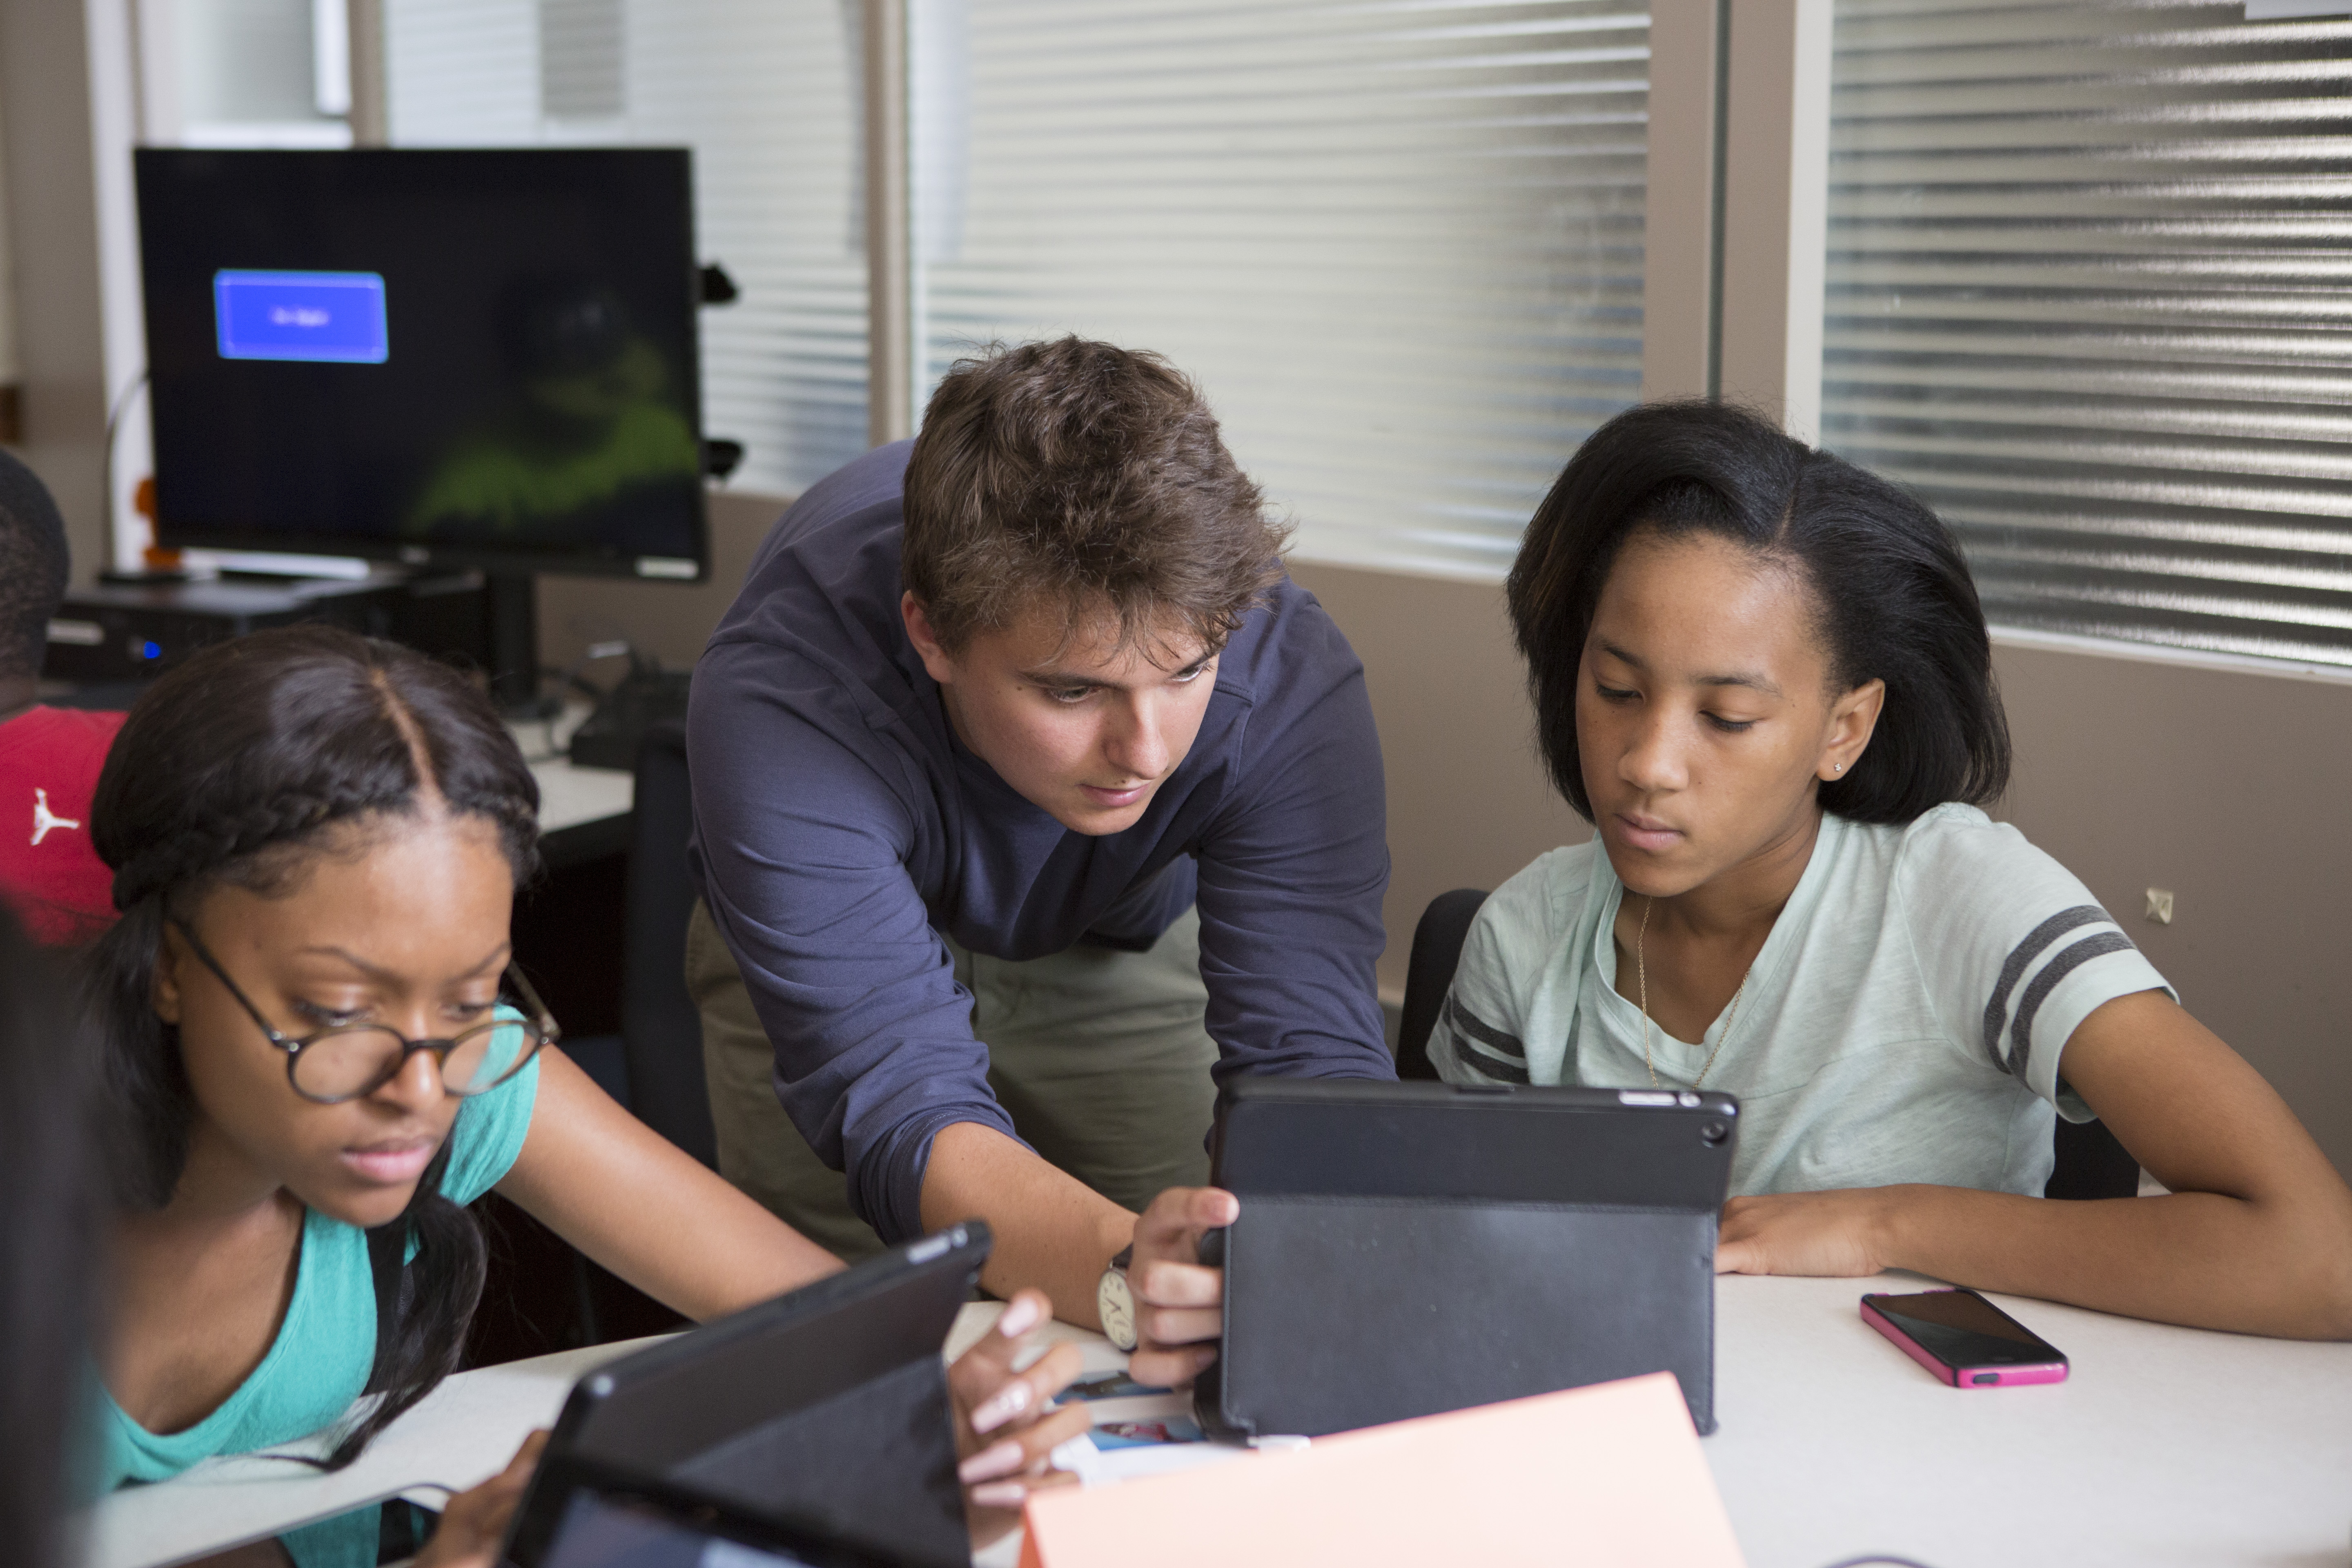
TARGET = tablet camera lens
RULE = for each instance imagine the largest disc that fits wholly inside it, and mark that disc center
(1712, 1133)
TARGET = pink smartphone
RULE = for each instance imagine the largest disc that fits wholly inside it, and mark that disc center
(1964, 1340)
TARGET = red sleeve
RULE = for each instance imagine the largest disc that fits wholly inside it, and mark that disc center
(50, 762)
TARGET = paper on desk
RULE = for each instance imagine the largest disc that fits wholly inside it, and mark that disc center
(1601, 1475)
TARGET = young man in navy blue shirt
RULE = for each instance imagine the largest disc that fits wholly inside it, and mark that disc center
(1031, 797)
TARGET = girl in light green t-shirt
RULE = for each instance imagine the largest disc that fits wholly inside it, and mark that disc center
(1763, 675)
(311, 1027)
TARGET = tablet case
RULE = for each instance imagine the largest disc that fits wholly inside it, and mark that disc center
(1407, 1248)
(826, 1408)
(583, 1514)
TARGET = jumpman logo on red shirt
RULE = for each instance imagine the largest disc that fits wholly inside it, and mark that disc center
(44, 818)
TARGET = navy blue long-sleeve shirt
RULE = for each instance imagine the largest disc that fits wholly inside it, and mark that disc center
(840, 827)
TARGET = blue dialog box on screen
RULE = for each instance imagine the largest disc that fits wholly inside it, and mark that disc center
(333, 316)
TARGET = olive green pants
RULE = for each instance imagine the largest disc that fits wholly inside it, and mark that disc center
(1101, 1058)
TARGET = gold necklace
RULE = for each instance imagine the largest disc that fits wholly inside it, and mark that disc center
(1642, 971)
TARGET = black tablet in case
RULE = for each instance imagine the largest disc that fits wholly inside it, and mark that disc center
(825, 1409)
(583, 1514)
(1407, 1248)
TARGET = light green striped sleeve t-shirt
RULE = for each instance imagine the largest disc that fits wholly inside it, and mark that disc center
(1904, 1021)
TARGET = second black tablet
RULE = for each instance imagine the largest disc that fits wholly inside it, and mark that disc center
(826, 1408)
(1408, 1248)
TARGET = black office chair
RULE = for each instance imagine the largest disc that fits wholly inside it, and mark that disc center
(541, 1295)
(655, 1065)
(659, 1024)
(1429, 971)
(2092, 1162)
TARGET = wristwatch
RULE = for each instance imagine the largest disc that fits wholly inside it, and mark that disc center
(1115, 1303)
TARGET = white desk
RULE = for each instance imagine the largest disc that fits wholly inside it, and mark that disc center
(461, 1435)
(2163, 1446)
(2166, 1446)
(573, 797)
(583, 812)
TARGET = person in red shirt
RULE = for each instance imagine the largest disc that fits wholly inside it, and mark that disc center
(50, 757)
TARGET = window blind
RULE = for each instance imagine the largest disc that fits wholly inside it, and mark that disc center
(1398, 243)
(764, 93)
(2087, 268)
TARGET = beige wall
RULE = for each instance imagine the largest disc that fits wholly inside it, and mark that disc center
(2229, 789)
(7, 260)
(2235, 792)
(52, 234)
(671, 619)
(1468, 803)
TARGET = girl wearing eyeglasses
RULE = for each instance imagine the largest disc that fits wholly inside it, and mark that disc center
(312, 1027)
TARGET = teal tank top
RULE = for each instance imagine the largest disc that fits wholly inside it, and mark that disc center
(319, 1361)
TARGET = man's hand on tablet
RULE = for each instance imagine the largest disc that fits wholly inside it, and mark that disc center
(1178, 1302)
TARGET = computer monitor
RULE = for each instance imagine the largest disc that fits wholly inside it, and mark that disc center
(479, 359)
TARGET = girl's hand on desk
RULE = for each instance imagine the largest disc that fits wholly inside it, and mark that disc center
(474, 1525)
(1820, 1234)
(1178, 1300)
(1007, 1425)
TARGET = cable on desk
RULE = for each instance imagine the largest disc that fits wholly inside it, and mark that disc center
(1878, 1560)
(312, 1462)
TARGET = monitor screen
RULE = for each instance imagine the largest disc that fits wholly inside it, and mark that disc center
(480, 358)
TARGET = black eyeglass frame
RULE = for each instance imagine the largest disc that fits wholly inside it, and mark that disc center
(544, 1032)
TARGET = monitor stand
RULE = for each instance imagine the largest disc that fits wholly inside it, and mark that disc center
(512, 603)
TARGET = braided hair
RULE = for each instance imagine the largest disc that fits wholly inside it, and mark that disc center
(231, 769)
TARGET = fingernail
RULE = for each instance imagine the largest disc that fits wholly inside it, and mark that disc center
(1024, 1315)
(1010, 1402)
(990, 1463)
(999, 1494)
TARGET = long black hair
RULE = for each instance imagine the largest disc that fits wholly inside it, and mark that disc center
(1896, 603)
(230, 770)
(49, 1213)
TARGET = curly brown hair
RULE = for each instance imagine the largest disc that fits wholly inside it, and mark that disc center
(1085, 479)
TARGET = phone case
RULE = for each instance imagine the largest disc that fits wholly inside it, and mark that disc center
(1962, 1377)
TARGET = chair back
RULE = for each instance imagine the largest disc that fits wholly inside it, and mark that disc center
(1437, 940)
(660, 1029)
(2092, 1162)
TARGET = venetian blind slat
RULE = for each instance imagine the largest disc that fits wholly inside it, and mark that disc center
(764, 93)
(2086, 295)
(1399, 244)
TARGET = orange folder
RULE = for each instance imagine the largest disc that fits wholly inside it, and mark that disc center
(1599, 1477)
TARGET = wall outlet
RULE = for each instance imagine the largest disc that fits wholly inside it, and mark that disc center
(2159, 905)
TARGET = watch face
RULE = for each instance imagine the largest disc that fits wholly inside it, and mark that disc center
(1115, 1304)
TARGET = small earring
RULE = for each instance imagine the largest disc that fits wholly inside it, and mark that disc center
(1840, 766)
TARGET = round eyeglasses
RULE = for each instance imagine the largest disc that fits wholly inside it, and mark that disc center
(350, 1060)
